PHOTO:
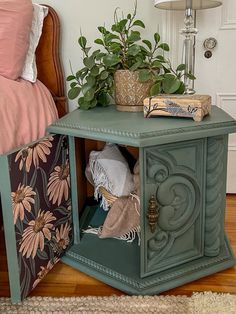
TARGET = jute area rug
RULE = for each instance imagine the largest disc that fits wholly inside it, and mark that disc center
(198, 303)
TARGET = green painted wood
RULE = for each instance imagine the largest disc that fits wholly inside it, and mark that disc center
(173, 156)
(143, 211)
(9, 230)
(216, 171)
(175, 176)
(116, 254)
(74, 190)
(108, 124)
(154, 284)
(117, 263)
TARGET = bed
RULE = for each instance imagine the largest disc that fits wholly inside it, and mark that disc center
(48, 61)
(35, 184)
(27, 108)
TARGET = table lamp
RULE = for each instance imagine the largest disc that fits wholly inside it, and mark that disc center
(189, 31)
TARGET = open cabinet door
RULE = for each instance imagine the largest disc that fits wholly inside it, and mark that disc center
(36, 205)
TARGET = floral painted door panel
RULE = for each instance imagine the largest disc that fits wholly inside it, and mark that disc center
(39, 183)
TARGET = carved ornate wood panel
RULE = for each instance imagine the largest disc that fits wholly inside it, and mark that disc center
(215, 195)
(175, 175)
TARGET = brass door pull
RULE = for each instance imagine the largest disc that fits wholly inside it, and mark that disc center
(152, 213)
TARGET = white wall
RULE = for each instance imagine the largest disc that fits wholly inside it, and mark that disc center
(86, 15)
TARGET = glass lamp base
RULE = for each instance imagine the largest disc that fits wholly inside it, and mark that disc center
(188, 57)
(189, 91)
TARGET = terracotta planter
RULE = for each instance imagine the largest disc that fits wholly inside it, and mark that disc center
(129, 92)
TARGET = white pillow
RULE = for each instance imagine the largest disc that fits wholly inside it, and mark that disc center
(29, 72)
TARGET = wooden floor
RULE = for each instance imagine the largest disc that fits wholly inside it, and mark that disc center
(65, 281)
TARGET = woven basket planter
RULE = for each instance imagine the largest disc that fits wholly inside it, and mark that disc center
(129, 91)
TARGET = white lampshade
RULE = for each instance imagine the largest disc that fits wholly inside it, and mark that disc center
(182, 4)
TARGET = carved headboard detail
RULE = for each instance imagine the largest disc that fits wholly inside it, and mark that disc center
(48, 61)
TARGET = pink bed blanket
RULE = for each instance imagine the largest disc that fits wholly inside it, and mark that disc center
(26, 109)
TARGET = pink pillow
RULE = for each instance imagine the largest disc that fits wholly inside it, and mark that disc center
(15, 25)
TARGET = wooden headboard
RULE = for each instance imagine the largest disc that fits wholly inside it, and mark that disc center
(48, 61)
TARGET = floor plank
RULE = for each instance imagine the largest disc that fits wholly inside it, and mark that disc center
(66, 281)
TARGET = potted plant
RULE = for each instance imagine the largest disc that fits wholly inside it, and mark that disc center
(127, 67)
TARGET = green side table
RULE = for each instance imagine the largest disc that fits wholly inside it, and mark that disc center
(183, 167)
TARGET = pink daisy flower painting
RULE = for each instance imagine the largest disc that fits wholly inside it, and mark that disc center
(44, 271)
(33, 154)
(59, 184)
(34, 235)
(62, 237)
(22, 199)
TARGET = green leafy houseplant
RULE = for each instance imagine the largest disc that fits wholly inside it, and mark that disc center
(123, 48)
